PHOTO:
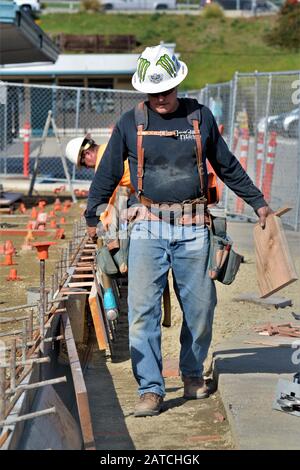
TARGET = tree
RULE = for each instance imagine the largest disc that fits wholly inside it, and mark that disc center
(286, 32)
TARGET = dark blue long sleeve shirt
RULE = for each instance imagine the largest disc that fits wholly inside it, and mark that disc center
(170, 168)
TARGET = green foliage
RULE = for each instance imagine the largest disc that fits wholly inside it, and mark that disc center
(213, 10)
(286, 33)
(213, 49)
(90, 5)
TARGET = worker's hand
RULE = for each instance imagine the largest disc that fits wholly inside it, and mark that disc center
(101, 229)
(263, 213)
(91, 231)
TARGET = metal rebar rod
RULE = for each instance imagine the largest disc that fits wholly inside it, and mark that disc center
(30, 325)
(58, 300)
(24, 340)
(28, 362)
(2, 393)
(36, 414)
(54, 338)
(18, 307)
(56, 276)
(13, 363)
(43, 383)
(52, 287)
(42, 303)
(12, 319)
(61, 270)
(9, 333)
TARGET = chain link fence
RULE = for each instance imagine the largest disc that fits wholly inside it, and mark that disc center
(259, 114)
(76, 111)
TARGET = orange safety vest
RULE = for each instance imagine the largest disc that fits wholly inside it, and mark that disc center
(107, 216)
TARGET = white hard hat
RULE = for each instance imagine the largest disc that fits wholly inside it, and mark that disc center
(158, 70)
(75, 147)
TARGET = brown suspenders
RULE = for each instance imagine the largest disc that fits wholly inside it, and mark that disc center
(141, 153)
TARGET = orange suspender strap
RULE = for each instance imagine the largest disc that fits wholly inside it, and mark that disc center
(140, 156)
(199, 155)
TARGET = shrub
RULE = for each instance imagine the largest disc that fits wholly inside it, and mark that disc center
(286, 32)
(213, 10)
(90, 5)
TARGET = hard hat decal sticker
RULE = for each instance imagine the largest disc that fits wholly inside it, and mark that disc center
(166, 63)
(156, 78)
(142, 68)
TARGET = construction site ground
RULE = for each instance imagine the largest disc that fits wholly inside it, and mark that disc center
(244, 385)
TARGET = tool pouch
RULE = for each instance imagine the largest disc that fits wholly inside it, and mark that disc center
(112, 258)
(105, 261)
(224, 262)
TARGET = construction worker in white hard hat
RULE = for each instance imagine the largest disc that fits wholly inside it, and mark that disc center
(167, 141)
(84, 152)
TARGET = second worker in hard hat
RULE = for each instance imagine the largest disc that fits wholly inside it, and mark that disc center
(85, 152)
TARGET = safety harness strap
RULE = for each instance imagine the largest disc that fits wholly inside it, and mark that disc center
(142, 122)
(199, 155)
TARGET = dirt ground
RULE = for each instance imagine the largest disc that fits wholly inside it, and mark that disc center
(204, 428)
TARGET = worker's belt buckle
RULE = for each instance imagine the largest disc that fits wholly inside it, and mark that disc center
(190, 219)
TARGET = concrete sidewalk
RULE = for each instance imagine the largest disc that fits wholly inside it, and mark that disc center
(248, 374)
(247, 379)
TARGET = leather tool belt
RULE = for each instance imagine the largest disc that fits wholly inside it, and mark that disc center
(189, 212)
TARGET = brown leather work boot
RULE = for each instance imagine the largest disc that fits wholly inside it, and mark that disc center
(195, 388)
(149, 405)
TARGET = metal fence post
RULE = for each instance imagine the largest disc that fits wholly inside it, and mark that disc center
(297, 227)
(76, 125)
(233, 93)
(262, 174)
(5, 130)
(255, 121)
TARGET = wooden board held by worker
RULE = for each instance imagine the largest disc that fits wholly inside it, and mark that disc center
(274, 264)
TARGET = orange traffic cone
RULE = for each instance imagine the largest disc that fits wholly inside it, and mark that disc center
(13, 276)
(9, 247)
(34, 213)
(8, 261)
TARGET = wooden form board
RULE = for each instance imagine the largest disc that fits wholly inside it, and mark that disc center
(79, 386)
(274, 264)
(100, 330)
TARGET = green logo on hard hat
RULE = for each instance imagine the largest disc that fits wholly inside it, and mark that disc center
(168, 65)
(143, 65)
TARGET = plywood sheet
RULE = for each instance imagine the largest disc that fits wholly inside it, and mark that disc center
(274, 264)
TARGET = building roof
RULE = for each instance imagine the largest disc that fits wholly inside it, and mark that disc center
(79, 64)
(21, 40)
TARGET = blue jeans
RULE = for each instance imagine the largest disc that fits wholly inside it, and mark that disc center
(155, 248)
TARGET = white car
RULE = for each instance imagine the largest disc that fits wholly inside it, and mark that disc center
(139, 4)
(286, 124)
(32, 7)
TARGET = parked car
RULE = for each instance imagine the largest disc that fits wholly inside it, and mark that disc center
(138, 4)
(31, 7)
(286, 124)
(261, 5)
